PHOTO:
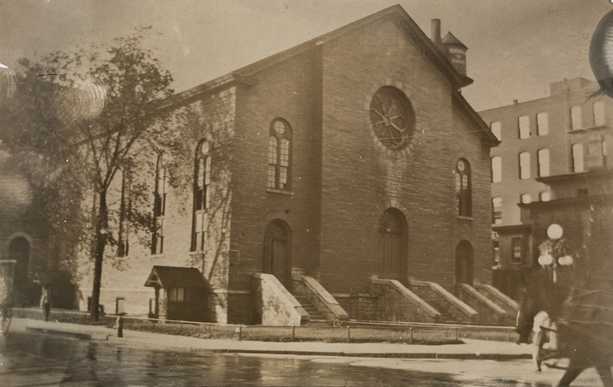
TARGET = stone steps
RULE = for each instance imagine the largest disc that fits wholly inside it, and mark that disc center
(314, 313)
(451, 308)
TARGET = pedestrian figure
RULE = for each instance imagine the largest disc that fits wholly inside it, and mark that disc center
(45, 304)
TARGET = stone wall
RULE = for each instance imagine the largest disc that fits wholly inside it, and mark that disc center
(489, 312)
(397, 303)
(273, 304)
(445, 302)
(359, 306)
(361, 178)
(211, 118)
(289, 90)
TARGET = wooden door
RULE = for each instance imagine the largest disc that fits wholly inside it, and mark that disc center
(277, 252)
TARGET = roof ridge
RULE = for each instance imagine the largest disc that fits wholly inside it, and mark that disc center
(238, 75)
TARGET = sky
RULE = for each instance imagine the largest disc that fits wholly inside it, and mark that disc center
(516, 47)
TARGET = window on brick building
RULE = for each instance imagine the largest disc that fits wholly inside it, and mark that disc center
(463, 188)
(496, 128)
(542, 158)
(497, 210)
(577, 157)
(159, 206)
(202, 182)
(496, 169)
(176, 295)
(524, 165)
(517, 250)
(524, 127)
(599, 113)
(576, 117)
(525, 198)
(125, 207)
(545, 196)
(279, 157)
(542, 123)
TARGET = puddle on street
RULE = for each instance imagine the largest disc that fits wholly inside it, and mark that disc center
(31, 359)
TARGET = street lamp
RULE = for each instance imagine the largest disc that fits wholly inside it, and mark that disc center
(551, 254)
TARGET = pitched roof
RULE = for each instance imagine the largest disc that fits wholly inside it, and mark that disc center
(450, 39)
(477, 119)
(395, 12)
(175, 277)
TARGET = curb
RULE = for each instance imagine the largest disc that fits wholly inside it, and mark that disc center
(111, 339)
(58, 332)
(390, 355)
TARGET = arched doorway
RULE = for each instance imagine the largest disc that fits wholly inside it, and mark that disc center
(277, 248)
(464, 263)
(19, 250)
(393, 244)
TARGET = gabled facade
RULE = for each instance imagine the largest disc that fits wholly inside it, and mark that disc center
(349, 156)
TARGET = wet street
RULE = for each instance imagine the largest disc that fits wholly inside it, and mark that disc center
(41, 360)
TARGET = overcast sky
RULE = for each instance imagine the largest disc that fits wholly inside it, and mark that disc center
(516, 47)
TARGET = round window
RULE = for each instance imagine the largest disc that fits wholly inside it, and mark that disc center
(392, 117)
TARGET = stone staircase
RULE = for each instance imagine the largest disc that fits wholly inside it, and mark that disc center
(489, 311)
(451, 308)
(505, 302)
(314, 314)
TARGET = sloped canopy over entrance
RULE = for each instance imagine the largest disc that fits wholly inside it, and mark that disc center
(175, 277)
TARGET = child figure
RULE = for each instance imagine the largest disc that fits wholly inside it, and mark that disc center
(544, 337)
(44, 302)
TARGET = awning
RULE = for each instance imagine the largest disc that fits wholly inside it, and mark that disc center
(175, 277)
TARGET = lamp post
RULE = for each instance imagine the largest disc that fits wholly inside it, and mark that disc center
(551, 256)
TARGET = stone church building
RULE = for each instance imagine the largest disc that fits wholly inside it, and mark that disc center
(346, 177)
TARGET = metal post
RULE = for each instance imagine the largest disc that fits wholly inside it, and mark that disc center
(348, 334)
(119, 326)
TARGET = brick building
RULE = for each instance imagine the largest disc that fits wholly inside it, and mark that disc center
(344, 166)
(568, 132)
(582, 203)
(22, 239)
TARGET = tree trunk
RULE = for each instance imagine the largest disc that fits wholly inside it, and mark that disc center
(101, 239)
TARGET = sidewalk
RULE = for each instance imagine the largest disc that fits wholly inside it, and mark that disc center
(471, 349)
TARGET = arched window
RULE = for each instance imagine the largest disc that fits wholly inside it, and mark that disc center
(125, 207)
(463, 188)
(159, 206)
(279, 155)
(202, 181)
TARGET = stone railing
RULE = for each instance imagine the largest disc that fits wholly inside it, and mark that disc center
(397, 303)
(325, 302)
(504, 301)
(274, 304)
(444, 301)
(489, 312)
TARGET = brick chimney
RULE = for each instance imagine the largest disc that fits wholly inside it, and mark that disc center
(435, 31)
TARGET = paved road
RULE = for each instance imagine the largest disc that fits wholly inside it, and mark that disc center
(42, 360)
